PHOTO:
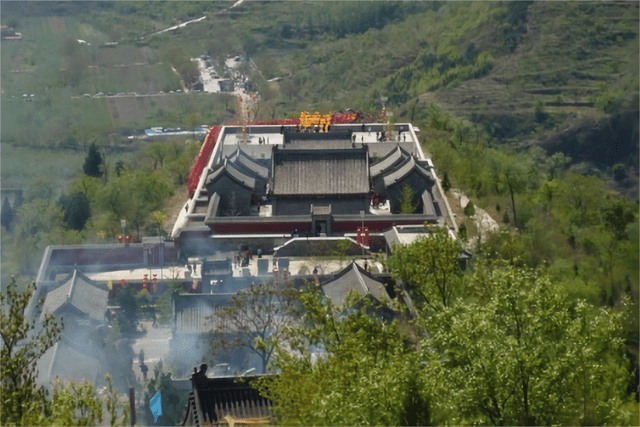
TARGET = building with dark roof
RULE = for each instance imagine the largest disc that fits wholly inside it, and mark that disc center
(354, 278)
(335, 178)
(213, 399)
(194, 313)
(69, 360)
(409, 173)
(271, 183)
(78, 300)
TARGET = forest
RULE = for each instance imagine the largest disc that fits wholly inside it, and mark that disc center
(529, 109)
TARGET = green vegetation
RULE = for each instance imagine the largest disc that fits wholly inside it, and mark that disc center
(506, 345)
(430, 268)
(406, 200)
(23, 401)
(260, 315)
(530, 108)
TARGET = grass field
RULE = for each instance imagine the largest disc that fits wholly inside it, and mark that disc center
(20, 165)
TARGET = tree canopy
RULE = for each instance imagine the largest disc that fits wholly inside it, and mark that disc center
(512, 349)
(23, 343)
(255, 319)
(93, 162)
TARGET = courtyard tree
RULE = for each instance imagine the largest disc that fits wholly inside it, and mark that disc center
(254, 319)
(172, 403)
(406, 200)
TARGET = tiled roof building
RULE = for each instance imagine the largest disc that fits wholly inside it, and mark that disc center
(353, 277)
(77, 295)
(212, 399)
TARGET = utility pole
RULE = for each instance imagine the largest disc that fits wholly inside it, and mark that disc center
(362, 228)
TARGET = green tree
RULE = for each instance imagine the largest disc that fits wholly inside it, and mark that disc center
(119, 167)
(92, 162)
(617, 216)
(539, 111)
(511, 174)
(133, 196)
(523, 354)
(113, 404)
(23, 343)
(75, 404)
(128, 313)
(619, 171)
(157, 151)
(173, 403)
(163, 308)
(430, 268)
(255, 319)
(7, 216)
(446, 184)
(406, 200)
(556, 163)
(77, 210)
(347, 369)
(469, 210)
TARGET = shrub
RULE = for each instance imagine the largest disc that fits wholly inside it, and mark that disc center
(469, 210)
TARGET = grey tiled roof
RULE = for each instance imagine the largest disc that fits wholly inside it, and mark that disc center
(244, 160)
(354, 278)
(224, 396)
(392, 158)
(404, 169)
(320, 172)
(192, 312)
(80, 292)
(67, 361)
(233, 172)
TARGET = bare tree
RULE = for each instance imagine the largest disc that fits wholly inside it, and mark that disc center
(255, 318)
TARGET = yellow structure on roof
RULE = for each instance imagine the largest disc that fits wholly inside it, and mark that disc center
(315, 119)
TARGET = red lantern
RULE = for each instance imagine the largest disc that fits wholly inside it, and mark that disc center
(366, 236)
(359, 236)
(122, 282)
(285, 274)
(155, 284)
